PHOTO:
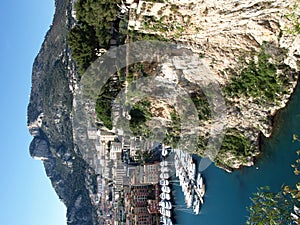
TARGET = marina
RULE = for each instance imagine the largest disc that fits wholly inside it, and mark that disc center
(191, 183)
(193, 188)
(231, 192)
(165, 205)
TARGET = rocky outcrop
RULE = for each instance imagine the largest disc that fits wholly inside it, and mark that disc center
(227, 35)
(223, 31)
(39, 149)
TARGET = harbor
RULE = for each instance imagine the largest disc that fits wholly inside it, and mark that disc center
(165, 205)
(190, 180)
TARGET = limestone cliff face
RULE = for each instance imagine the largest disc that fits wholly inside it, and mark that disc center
(227, 35)
(49, 121)
(224, 30)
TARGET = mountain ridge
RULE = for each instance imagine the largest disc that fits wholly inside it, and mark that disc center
(51, 100)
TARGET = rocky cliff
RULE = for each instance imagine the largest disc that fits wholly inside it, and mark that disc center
(229, 36)
(49, 121)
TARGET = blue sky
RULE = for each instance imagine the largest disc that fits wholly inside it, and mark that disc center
(27, 197)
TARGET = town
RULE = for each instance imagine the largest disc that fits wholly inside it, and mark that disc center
(133, 188)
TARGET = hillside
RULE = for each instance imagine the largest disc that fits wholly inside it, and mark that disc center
(49, 121)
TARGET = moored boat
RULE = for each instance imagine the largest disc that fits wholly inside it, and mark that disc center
(196, 205)
(164, 176)
(163, 163)
(164, 182)
(166, 189)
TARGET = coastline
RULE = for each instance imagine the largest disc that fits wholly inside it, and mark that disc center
(275, 119)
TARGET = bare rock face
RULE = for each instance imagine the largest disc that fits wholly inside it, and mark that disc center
(227, 35)
(223, 31)
(39, 149)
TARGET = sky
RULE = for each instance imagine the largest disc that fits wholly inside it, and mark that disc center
(27, 197)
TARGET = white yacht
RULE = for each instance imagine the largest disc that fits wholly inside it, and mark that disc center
(164, 182)
(163, 163)
(196, 205)
(165, 196)
(166, 189)
(164, 176)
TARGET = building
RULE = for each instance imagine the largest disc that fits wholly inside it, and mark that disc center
(92, 133)
(151, 173)
(115, 150)
(137, 205)
(107, 137)
(119, 174)
(145, 175)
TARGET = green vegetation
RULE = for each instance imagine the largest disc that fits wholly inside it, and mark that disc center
(258, 80)
(105, 100)
(140, 114)
(55, 86)
(235, 142)
(83, 42)
(174, 8)
(112, 88)
(98, 23)
(294, 191)
(136, 71)
(137, 36)
(270, 208)
(93, 31)
(235, 147)
(144, 157)
(161, 25)
(199, 99)
(201, 145)
(275, 208)
(295, 18)
(173, 132)
(201, 104)
(103, 110)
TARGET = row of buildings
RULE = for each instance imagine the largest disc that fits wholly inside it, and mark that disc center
(127, 191)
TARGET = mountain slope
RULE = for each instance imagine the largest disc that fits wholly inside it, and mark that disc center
(49, 121)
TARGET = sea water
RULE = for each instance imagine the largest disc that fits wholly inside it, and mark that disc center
(228, 194)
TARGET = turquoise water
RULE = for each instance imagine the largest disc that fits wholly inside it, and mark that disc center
(228, 195)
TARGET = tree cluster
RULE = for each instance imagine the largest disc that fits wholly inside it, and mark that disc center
(276, 208)
(259, 80)
(93, 30)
